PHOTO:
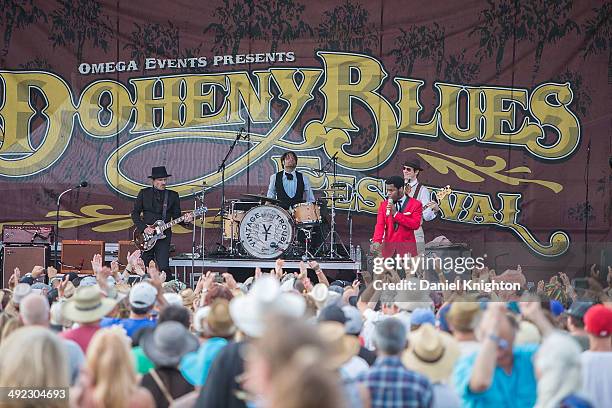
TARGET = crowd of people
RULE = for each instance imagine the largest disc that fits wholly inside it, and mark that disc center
(281, 340)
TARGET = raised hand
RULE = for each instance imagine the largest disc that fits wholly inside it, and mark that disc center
(62, 286)
(303, 270)
(96, 264)
(114, 268)
(565, 279)
(139, 267)
(594, 271)
(230, 281)
(278, 268)
(37, 271)
(51, 272)
(133, 257)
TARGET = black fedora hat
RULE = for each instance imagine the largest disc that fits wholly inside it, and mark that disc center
(414, 163)
(159, 172)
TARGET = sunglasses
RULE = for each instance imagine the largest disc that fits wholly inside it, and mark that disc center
(408, 168)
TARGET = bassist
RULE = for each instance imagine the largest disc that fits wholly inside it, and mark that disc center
(156, 203)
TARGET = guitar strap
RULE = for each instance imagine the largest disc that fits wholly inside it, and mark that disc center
(165, 207)
(417, 191)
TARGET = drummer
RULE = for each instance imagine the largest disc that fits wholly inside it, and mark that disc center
(289, 186)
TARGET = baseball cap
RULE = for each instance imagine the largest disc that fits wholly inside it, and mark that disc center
(173, 299)
(579, 308)
(422, 316)
(556, 308)
(598, 321)
(27, 279)
(143, 295)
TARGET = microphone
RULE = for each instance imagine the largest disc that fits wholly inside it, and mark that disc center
(335, 156)
(82, 184)
(388, 210)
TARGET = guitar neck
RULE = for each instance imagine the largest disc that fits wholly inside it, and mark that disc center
(172, 223)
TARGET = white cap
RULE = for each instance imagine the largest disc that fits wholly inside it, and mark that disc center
(173, 299)
(143, 295)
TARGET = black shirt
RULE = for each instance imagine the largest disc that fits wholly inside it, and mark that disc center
(174, 382)
(149, 205)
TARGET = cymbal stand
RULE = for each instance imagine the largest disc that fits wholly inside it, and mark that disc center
(349, 216)
(308, 234)
(199, 196)
(222, 171)
(332, 233)
(232, 226)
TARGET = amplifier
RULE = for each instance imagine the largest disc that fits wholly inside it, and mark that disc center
(77, 255)
(124, 248)
(27, 234)
(23, 257)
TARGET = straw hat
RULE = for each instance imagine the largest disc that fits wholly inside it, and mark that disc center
(342, 346)
(431, 352)
(219, 321)
(463, 314)
(188, 296)
(87, 305)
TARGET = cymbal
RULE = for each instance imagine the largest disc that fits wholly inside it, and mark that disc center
(332, 198)
(259, 197)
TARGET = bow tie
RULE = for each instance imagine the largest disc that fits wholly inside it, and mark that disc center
(289, 176)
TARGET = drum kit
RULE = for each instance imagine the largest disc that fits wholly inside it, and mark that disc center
(257, 226)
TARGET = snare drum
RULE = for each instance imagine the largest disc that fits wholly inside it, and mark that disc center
(306, 213)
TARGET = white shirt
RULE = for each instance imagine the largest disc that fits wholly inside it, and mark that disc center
(424, 197)
(290, 186)
(597, 377)
(352, 368)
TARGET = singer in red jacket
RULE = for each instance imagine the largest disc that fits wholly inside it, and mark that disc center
(398, 217)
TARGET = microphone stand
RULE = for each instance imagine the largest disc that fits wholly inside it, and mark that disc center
(222, 170)
(57, 211)
(350, 216)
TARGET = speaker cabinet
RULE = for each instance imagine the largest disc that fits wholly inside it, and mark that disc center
(124, 248)
(23, 257)
(77, 255)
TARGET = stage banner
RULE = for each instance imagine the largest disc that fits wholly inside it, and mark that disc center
(506, 102)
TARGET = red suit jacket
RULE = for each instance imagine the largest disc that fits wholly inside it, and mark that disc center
(397, 232)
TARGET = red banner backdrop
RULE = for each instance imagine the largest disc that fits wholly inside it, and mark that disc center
(508, 103)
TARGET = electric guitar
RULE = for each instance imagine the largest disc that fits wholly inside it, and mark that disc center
(145, 241)
(440, 195)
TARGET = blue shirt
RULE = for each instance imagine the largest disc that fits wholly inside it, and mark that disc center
(195, 365)
(131, 326)
(393, 385)
(517, 389)
(290, 186)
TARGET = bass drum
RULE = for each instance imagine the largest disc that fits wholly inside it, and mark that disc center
(266, 231)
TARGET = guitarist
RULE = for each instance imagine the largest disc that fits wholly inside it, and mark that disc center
(149, 207)
(412, 168)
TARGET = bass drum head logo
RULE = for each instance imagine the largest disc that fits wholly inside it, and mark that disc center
(266, 231)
